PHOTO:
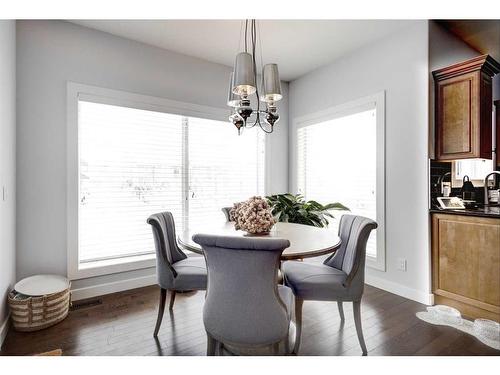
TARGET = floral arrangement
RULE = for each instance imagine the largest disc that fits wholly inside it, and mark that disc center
(253, 216)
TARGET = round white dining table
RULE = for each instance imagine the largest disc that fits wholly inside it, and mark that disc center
(305, 241)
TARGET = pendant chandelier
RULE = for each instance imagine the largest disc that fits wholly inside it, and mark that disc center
(242, 84)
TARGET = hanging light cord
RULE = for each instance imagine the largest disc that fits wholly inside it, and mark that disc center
(253, 30)
(239, 39)
(253, 39)
(262, 70)
(246, 28)
(254, 34)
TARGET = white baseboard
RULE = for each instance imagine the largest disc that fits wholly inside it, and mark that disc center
(112, 287)
(138, 282)
(400, 290)
(4, 329)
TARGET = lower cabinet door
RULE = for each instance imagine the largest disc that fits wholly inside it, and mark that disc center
(466, 264)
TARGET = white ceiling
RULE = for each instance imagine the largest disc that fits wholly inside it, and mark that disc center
(298, 46)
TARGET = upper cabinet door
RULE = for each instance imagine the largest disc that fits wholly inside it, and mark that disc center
(464, 108)
(497, 121)
(457, 116)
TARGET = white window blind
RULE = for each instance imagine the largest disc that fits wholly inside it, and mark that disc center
(475, 169)
(223, 168)
(135, 162)
(130, 167)
(337, 162)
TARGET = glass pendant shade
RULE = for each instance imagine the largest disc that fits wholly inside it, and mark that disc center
(271, 83)
(244, 75)
(233, 100)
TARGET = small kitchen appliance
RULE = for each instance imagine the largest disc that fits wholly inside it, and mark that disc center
(468, 192)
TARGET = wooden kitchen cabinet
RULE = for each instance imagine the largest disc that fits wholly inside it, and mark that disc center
(463, 109)
(466, 264)
(497, 121)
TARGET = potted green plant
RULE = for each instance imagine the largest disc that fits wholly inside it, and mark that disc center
(295, 209)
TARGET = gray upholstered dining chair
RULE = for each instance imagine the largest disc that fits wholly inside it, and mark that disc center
(340, 278)
(227, 212)
(175, 271)
(245, 309)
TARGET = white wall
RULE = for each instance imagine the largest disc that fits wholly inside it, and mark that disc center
(7, 166)
(49, 54)
(397, 64)
(445, 48)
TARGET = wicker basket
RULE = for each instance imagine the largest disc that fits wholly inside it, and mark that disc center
(35, 313)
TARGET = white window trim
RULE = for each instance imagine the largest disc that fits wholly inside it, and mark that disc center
(345, 109)
(78, 91)
(457, 182)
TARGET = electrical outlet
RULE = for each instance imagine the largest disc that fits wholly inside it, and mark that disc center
(402, 264)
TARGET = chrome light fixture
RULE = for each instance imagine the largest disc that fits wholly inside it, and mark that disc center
(271, 84)
(242, 84)
(232, 99)
(244, 75)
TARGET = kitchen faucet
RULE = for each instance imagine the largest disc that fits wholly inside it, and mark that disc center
(486, 198)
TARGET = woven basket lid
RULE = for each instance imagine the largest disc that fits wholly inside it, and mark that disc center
(40, 285)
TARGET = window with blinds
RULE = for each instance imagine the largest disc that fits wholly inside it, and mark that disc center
(223, 168)
(135, 162)
(337, 162)
(475, 169)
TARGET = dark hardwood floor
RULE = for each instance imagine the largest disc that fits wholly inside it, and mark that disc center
(123, 325)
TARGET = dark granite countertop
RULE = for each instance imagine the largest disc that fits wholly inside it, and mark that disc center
(486, 211)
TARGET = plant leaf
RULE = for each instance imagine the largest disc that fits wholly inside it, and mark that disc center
(336, 206)
(295, 209)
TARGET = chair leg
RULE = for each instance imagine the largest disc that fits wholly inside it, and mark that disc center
(287, 344)
(341, 311)
(172, 300)
(161, 309)
(298, 323)
(211, 345)
(276, 348)
(356, 306)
